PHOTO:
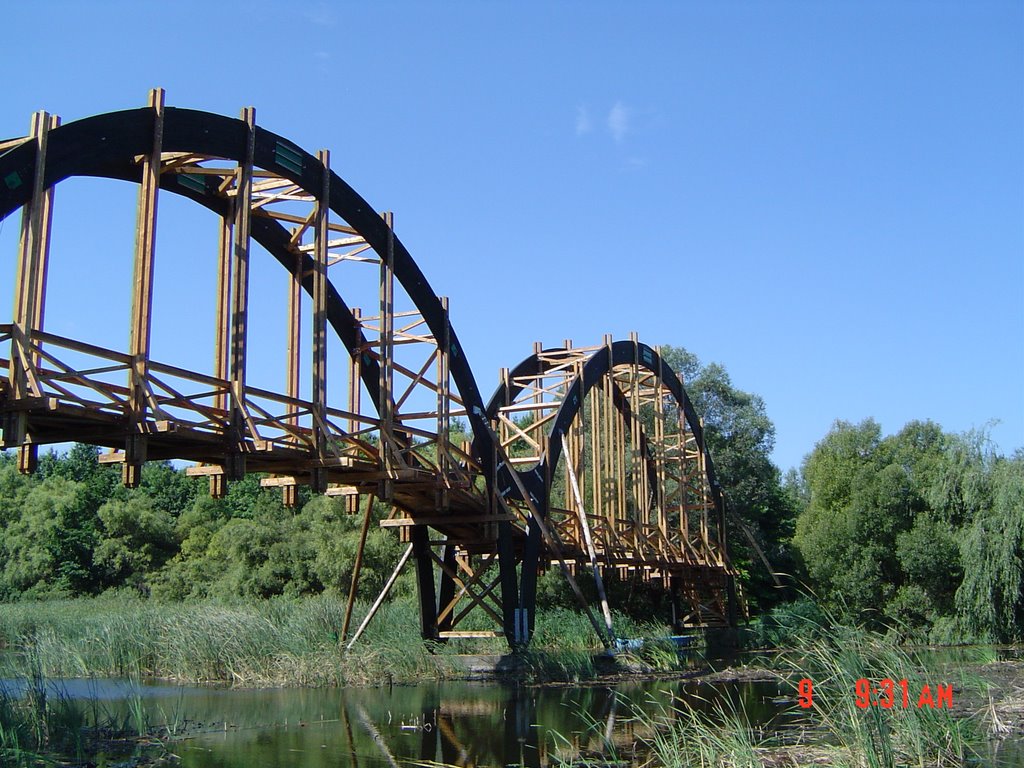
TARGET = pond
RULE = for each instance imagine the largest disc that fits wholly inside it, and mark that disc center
(450, 723)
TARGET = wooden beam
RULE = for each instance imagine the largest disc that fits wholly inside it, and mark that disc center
(355, 389)
(30, 295)
(142, 296)
(380, 598)
(591, 552)
(450, 519)
(321, 235)
(241, 237)
(388, 449)
(222, 327)
(293, 356)
(357, 566)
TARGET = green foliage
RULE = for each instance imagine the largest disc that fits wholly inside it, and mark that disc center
(72, 529)
(37, 539)
(920, 531)
(137, 537)
(991, 598)
(741, 437)
(861, 532)
(785, 626)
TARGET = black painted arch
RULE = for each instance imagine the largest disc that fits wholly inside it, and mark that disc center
(105, 146)
(597, 366)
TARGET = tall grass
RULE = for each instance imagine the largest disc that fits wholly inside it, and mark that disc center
(269, 642)
(877, 737)
(834, 731)
(683, 737)
(274, 642)
(40, 725)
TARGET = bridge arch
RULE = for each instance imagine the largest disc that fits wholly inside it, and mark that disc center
(475, 498)
(110, 145)
(552, 386)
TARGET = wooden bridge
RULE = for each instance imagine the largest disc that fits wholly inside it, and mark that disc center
(585, 458)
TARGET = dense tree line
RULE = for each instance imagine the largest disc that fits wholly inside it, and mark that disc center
(921, 531)
(72, 529)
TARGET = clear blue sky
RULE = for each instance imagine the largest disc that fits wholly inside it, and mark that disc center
(826, 198)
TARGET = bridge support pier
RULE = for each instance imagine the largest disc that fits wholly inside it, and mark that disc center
(424, 564)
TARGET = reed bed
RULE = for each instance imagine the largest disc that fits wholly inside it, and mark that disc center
(877, 736)
(276, 642)
(833, 730)
(268, 643)
(40, 725)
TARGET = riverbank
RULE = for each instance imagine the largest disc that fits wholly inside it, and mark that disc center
(277, 642)
(294, 644)
(730, 718)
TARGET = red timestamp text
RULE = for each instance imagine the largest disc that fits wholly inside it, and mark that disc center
(887, 694)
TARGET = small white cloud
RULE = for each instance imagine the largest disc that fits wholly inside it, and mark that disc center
(583, 122)
(618, 121)
(321, 15)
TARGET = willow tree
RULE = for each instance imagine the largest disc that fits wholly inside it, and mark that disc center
(990, 601)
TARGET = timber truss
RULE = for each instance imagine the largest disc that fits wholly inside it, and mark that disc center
(589, 459)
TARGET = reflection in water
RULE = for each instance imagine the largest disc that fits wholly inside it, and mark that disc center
(459, 724)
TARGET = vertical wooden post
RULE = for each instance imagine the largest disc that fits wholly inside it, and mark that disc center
(385, 408)
(684, 477)
(620, 461)
(235, 468)
(29, 294)
(443, 408)
(636, 458)
(222, 335)
(705, 494)
(293, 361)
(357, 567)
(222, 331)
(588, 541)
(571, 448)
(41, 242)
(595, 453)
(659, 454)
(142, 297)
(321, 235)
(581, 437)
(355, 383)
(608, 439)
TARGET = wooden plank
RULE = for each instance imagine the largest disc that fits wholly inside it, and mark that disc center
(598, 581)
(241, 239)
(293, 219)
(358, 565)
(385, 406)
(380, 598)
(142, 297)
(438, 520)
(11, 143)
(30, 291)
(222, 323)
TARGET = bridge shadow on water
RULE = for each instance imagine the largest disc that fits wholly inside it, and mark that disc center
(458, 723)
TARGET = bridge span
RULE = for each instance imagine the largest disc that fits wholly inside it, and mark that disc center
(589, 459)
